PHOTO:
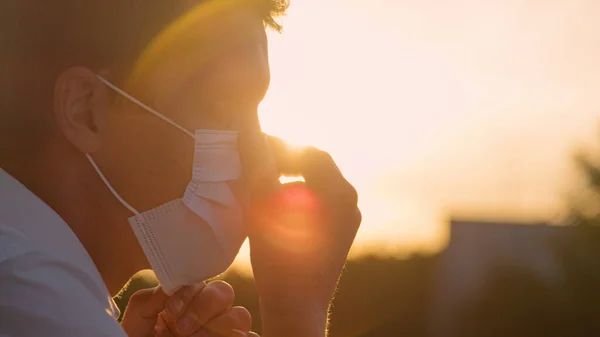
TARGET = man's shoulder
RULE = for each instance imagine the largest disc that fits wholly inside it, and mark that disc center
(13, 243)
(22, 258)
(44, 294)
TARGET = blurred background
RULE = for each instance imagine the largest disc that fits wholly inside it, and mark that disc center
(470, 130)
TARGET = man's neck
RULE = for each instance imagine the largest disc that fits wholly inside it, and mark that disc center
(73, 190)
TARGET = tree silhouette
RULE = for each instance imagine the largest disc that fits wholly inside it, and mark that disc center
(580, 252)
(515, 302)
(584, 204)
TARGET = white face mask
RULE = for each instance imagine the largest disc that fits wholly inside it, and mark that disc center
(197, 237)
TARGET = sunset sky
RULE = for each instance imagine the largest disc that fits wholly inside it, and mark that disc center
(434, 108)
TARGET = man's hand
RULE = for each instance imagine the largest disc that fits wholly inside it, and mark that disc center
(300, 235)
(201, 310)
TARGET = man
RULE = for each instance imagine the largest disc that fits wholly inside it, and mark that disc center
(98, 99)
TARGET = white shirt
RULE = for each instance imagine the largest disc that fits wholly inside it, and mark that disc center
(49, 285)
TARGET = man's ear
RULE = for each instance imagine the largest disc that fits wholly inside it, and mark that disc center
(81, 107)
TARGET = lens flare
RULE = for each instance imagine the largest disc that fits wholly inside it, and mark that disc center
(293, 219)
(181, 38)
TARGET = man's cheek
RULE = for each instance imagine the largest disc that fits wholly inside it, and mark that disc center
(240, 192)
(239, 75)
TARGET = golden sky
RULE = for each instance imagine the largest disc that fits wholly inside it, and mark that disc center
(432, 107)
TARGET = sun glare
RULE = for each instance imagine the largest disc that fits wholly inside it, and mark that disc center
(423, 114)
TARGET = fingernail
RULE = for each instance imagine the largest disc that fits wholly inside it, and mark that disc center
(239, 333)
(175, 307)
(186, 324)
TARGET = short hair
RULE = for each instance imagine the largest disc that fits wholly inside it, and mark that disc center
(41, 38)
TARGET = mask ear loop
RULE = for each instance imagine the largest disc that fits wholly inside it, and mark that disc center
(112, 190)
(144, 106)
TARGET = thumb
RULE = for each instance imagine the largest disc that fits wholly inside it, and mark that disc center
(142, 311)
(148, 303)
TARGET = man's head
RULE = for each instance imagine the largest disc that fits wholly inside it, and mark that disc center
(202, 64)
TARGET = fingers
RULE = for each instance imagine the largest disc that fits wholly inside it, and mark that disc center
(235, 321)
(324, 178)
(318, 169)
(149, 302)
(143, 309)
(161, 329)
(214, 299)
(297, 161)
(308, 161)
(177, 304)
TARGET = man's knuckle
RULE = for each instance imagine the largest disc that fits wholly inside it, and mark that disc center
(222, 292)
(317, 154)
(230, 320)
(357, 218)
(351, 194)
(343, 196)
(241, 318)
